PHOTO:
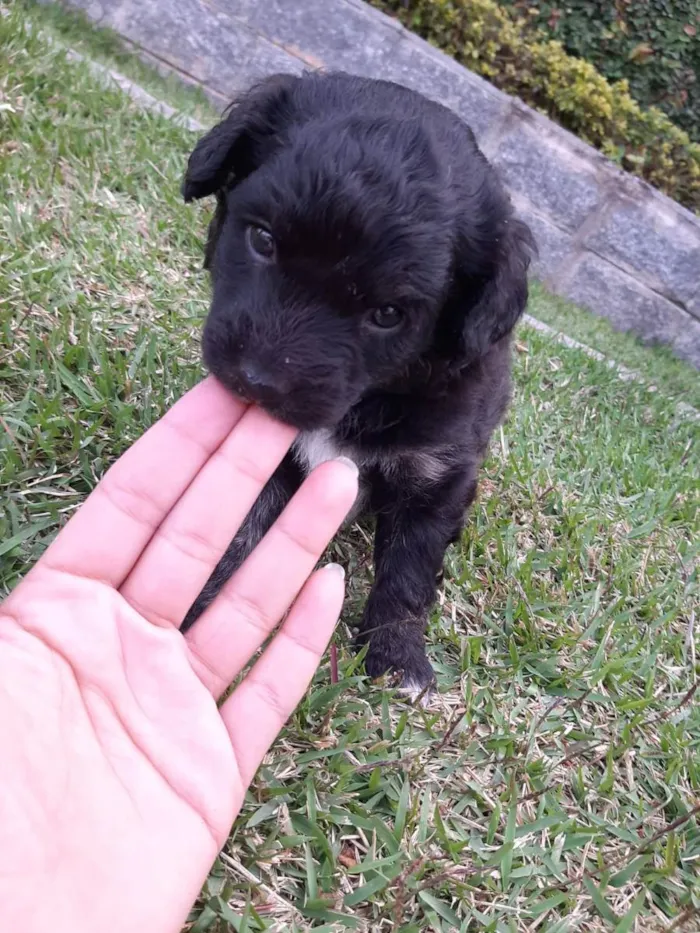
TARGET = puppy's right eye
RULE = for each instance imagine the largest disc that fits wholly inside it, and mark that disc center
(261, 243)
(387, 318)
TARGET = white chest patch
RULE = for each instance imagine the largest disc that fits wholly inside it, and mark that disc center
(314, 447)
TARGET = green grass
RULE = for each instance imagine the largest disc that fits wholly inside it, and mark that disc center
(554, 783)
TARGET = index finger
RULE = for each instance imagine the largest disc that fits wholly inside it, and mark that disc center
(105, 538)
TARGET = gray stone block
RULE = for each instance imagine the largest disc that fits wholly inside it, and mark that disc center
(660, 244)
(553, 244)
(334, 36)
(265, 59)
(352, 38)
(415, 65)
(195, 39)
(694, 304)
(551, 178)
(630, 306)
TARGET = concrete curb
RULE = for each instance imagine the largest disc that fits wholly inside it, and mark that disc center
(110, 77)
(622, 372)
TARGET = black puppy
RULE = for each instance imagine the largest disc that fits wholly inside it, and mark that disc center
(367, 271)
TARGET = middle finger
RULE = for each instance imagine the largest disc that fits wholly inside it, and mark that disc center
(189, 543)
(256, 597)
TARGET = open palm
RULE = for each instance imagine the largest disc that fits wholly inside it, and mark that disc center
(119, 775)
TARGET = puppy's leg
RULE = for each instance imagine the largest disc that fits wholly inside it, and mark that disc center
(266, 510)
(413, 533)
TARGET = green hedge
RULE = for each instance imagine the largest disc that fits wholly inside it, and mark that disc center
(488, 40)
(654, 44)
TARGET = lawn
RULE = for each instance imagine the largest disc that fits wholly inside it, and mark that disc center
(554, 784)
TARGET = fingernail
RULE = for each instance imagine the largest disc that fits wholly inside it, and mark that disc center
(335, 569)
(348, 463)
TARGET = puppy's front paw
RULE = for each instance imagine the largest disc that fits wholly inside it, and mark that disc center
(399, 647)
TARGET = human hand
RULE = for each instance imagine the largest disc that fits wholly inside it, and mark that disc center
(119, 777)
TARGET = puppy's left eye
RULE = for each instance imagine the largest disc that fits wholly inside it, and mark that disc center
(387, 318)
(261, 243)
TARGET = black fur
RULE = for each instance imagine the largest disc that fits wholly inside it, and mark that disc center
(374, 197)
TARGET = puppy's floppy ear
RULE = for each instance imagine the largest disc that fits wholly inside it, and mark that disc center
(486, 305)
(230, 150)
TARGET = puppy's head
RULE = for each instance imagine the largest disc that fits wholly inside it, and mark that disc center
(340, 255)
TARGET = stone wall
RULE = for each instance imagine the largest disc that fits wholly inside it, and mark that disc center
(607, 240)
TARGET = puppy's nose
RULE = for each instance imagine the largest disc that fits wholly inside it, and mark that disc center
(259, 378)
